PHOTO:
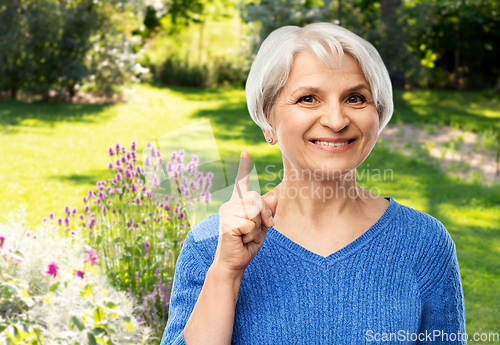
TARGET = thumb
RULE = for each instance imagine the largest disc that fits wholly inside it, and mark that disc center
(272, 203)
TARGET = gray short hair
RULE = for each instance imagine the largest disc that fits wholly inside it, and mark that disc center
(273, 63)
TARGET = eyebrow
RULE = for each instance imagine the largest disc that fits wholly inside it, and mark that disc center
(311, 89)
(359, 87)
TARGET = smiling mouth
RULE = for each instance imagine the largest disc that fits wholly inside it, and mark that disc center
(326, 143)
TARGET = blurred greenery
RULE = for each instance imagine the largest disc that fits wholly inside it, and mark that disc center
(54, 153)
(58, 46)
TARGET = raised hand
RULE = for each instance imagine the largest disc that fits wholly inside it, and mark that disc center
(244, 221)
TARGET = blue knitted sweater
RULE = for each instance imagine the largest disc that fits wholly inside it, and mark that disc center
(398, 283)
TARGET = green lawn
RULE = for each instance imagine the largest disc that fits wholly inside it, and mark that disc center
(53, 153)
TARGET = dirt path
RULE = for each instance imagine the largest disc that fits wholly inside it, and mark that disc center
(459, 152)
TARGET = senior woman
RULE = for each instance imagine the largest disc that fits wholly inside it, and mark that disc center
(319, 259)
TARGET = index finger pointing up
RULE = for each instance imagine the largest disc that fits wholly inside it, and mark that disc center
(241, 184)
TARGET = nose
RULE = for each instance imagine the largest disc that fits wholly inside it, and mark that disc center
(335, 118)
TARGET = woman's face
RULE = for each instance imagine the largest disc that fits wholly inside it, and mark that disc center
(325, 119)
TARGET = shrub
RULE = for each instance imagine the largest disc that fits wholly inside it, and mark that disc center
(50, 293)
(137, 224)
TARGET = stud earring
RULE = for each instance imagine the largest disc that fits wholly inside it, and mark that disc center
(270, 140)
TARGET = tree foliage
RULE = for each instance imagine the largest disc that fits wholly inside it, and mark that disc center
(436, 43)
(59, 45)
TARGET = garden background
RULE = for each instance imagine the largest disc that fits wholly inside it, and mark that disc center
(78, 77)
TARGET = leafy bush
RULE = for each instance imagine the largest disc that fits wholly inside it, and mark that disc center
(50, 292)
(138, 224)
(61, 45)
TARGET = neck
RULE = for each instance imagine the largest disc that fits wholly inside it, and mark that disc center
(318, 196)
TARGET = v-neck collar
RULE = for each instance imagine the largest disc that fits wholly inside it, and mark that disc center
(280, 239)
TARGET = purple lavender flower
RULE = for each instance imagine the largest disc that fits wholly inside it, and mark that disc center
(67, 221)
(111, 152)
(44, 220)
(128, 174)
(2, 241)
(146, 246)
(133, 145)
(133, 187)
(123, 159)
(73, 211)
(81, 216)
(67, 210)
(85, 199)
(118, 163)
(80, 274)
(117, 147)
(102, 195)
(110, 165)
(139, 170)
(124, 149)
(119, 177)
(91, 194)
(59, 221)
(86, 209)
(137, 201)
(51, 215)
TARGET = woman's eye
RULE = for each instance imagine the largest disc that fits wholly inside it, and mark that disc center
(355, 99)
(306, 99)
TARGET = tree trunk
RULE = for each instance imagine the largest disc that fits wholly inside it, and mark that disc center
(13, 88)
(393, 41)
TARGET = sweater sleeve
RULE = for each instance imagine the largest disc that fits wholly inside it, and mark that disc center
(440, 286)
(189, 277)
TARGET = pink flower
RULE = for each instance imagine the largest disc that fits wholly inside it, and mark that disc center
(81, 216)
(85, 199)
(146, 246)
(67, 221)
(66, 209)
(119, 177)
(86, 209)
(133, 145)
(111, 151)
(59, 221)
(110, 165)
(51, 215)
(80, 274)
(52, 269)
(117, 147)
(2, 241)
(91, 257)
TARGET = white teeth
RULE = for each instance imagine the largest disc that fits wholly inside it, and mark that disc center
(317, 142)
